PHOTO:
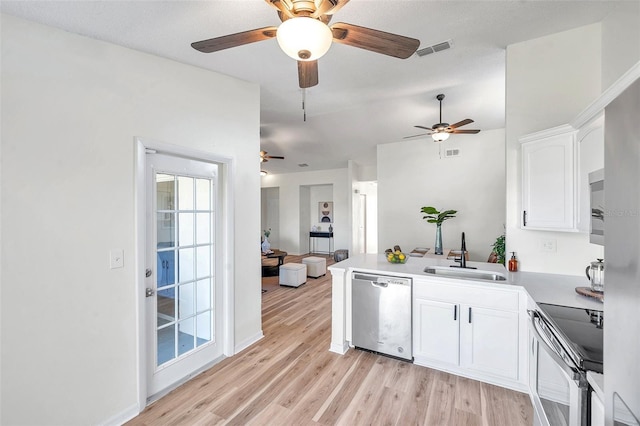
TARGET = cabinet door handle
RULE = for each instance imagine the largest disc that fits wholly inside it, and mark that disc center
(524, 218)
(469, 315)
(455, 312)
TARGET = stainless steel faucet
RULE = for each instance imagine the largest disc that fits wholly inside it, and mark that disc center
(463, 259)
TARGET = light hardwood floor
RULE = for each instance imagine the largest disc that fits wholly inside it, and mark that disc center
(290, 378)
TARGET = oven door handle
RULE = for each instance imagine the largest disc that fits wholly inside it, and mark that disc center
(550, 348)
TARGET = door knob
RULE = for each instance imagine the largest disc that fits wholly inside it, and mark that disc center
(149, 292)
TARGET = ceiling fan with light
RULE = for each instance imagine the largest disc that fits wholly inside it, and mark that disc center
(441, 131)
(305, 36)
(264, 157)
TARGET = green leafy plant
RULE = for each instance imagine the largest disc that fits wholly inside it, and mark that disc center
(434, 216)
(267, 232)
(499, 248)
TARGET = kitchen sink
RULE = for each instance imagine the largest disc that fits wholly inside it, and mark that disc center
(474, 274)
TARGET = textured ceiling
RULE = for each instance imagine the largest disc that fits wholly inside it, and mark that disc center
(363, 99)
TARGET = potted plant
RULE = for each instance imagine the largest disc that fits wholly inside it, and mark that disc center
(432, 215)
(499, 247)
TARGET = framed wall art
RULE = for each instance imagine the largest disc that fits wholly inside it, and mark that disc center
(325, 211)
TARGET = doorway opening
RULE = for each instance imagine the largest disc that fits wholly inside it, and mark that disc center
(184, 272)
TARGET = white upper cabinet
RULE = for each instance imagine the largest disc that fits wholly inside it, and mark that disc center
(555, 175)
(549, 196)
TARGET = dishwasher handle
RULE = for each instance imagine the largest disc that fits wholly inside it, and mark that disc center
(368, 279)
(363, 277)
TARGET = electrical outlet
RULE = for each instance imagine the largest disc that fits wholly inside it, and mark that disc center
(548, 246)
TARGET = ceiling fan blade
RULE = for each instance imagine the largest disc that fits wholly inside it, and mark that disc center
(233, 40)
(281, 6)
(469, 132)
(275, 157)
(461, 123)
(374, 40)
(329, 7)
(307, 73)
(426, 128)
(415, 136)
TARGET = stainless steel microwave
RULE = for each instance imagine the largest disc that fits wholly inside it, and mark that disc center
(596, 191)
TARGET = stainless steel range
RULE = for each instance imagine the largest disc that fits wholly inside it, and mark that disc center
(566, 343)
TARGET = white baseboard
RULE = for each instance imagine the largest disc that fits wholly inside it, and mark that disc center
(248, 342)
(122, 417)
(338, 348)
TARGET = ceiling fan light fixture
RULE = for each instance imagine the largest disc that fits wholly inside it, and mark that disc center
(263, 173)
(304, 39)
(440, 136)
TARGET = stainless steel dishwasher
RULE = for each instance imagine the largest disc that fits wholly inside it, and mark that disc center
(381, 314)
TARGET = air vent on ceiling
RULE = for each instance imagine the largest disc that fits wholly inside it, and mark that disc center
(451, 152)
(435, 48)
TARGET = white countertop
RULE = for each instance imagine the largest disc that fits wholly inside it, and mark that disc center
(543, 288)
(555, 289)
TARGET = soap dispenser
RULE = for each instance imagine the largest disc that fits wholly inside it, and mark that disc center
(513, 262)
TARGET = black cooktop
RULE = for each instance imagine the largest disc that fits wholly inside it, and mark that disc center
(583, 328)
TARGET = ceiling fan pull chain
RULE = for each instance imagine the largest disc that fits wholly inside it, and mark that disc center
(304, 106)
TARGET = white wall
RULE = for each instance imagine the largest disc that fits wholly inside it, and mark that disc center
(411, 175)
(549, 81)
(620, 41)
(71, 107)
(294, 240)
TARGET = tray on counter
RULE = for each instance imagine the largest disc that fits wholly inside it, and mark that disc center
(586, 291)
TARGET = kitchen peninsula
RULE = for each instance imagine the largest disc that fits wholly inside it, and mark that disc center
(477, 328)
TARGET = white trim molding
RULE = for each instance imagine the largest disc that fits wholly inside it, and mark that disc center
(547, 133)
(607, 96)
(123, 417)
(248, 342)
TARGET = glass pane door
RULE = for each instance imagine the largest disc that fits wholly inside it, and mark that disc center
(185, 269)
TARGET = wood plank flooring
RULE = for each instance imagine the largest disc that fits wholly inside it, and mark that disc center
(290, 378)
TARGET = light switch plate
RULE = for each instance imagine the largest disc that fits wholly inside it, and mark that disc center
(116, 258)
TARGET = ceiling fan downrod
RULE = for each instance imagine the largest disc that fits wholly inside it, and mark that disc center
(440, 97)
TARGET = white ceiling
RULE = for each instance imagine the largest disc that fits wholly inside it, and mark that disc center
(363, 98)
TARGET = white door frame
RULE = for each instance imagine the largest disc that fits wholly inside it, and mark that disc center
(226, 164)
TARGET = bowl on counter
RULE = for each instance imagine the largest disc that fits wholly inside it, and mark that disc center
(397, 257)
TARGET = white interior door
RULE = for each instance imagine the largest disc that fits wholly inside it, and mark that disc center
(362, 223)
(184, 303)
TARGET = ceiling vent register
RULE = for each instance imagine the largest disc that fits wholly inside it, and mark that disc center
(435, 48)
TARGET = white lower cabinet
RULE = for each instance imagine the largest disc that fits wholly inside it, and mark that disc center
(436, 333)
(467, 330)
(489, 341)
